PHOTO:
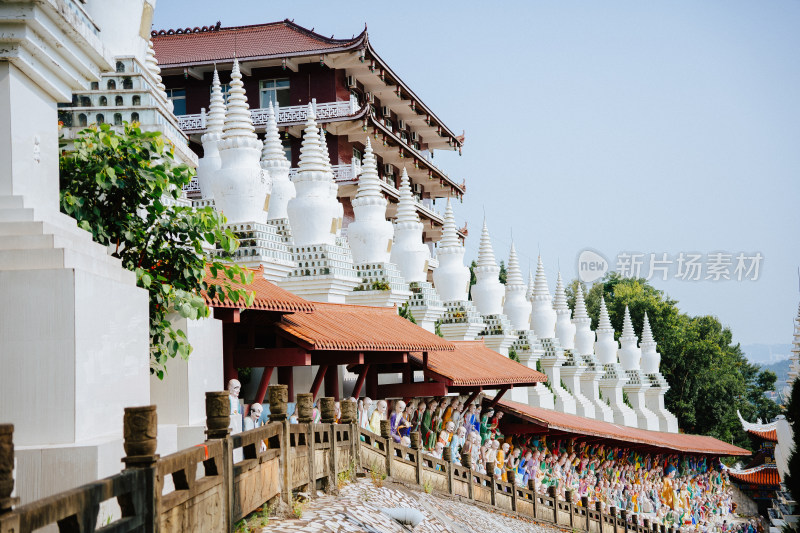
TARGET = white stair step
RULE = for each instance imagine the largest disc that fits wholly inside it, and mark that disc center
(11, 202)
(16, 214)
(56, 258)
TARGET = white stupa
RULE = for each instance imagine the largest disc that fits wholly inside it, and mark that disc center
(151, 63)
(461, 320)
(654, 395)
(273, 160)
(516, 307)
(529, 351)
(584, 349)
(324, 270)
(210, 163)
(574, 366)
(636, 386)
(411, 255)
(613, 378)
(240, 186)
(543, 316)
(370, 238)
(488, 297)
(333, 187)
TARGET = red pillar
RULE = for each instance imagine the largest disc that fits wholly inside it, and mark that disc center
(360, 381)
(372, 383)
(228, 345)
(286, 377)
(332, 382)
(263, 384)
(318, 380)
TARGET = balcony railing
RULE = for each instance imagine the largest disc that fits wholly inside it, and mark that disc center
(285, 115)
(341, 173)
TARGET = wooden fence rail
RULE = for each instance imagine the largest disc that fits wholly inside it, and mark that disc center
(217, 483)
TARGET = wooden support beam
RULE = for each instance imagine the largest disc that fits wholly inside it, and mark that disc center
(318, 380)
(337, 358)
(360, 382)
(263, 384)
(332, 382)
(408, 374)
(286, 377)
(499, 395)
(401, 390)
(386, 357)
(473, 397)
(227, 314)
(255, 357)
(228, 343)
(372, 382)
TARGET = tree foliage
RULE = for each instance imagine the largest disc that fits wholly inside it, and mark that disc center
(709, 376)
(119, 187)
(792, 413)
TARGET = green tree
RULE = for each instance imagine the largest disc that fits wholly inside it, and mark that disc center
(503, 273)
(472, 278)
(709, 376)
(792, 413)
(115, 186)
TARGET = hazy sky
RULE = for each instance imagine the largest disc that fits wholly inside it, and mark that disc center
(661, 127)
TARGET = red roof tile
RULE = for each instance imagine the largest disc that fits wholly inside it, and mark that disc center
(359, 328)
(275, 39)
(472, 363)
(770, 435)
(268, 296)
(588, 426)
(766, 475)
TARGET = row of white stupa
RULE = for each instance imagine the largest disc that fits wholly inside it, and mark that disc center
(292, 228)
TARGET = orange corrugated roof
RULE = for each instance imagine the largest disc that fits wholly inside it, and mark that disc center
(763, 475)
(770, 435)
(588, 426)
(473, 363)
(268, 296)
(359, 328)
(275, 39)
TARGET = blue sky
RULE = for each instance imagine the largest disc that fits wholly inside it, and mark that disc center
(660, 127)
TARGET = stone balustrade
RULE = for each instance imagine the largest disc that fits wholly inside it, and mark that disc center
(212, 490)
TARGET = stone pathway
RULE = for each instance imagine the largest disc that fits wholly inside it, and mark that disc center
(357, 509)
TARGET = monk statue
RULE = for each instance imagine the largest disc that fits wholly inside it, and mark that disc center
(234, 387)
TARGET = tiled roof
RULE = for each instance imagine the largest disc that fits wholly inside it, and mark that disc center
(268, 296)
(588, 426)
(770, 435)
(275, 39)
(765, 475)
(359, 328)
(472, 363)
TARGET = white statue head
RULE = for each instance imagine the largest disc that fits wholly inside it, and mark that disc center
(255, 411)
(400, 406)
(381, 408)
(234, 387)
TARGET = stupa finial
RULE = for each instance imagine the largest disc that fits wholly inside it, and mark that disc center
(152, 65)
(273, 149)
(627, 324)
(449, 235)
(560, 301)
(325, 153)
(215, 121)
(529, 294)
(580, 304)
(604, 321)
(369, 183)
(311, 154)
(406, 212)
(540, 289)
(647, 333)
(513, 272)
(485, 251)
(238, 121)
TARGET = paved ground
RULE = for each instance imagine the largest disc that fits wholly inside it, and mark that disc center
(357, 509)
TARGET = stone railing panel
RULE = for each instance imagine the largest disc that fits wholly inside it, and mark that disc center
(256, 478)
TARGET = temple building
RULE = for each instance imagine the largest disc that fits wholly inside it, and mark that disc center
(353, 92)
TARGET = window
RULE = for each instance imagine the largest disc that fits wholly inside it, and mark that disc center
(95, 86)
(178, 97)
(287, 149)
(134, 117)
(127, 83)
(120, 66)
(136, 100)
(358, 155)
(118, 119)
(100, 119)
(111, 85)
(275, 91)
(82, 119)
(86, 101)
(118, 100)
(103, 101)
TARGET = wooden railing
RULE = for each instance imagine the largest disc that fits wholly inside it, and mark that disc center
(214, 485)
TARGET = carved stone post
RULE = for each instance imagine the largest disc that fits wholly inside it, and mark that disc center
(140, 434)
(570, 508)
(386, 433)
(327, 407)
(532, 488)
(511, 475)
(466, 463)
(623, 513)
(447, 456)
(218, 420)
(7, 468)
(278, 397)
(305, 407)
(416, 444)
(552, 491)
(349, 411)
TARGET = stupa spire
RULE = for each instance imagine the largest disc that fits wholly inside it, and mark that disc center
(273, 149)
(215, 120)
(369, 183)
(152, 65)
(485, 251)
(560, 301)
(405, 207)
(529, 293)
(565, 329)
(274, 161)
(647, 333)
(370, 234)
(627, 325)
(325, 153)
(606, 346)
(516, 306)
(513, 272)
(311, 154)
(651, 359)
(604, 321)
(238, 121)
(543, 318)
(451, 277)
(580, 305)
(449, 235)
(584, 336)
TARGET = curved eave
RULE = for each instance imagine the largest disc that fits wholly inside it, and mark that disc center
(384, 66)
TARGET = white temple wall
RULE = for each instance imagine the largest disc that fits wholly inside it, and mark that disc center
(27, 118)
(127, 23)
(785, 445)
(180, 396)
